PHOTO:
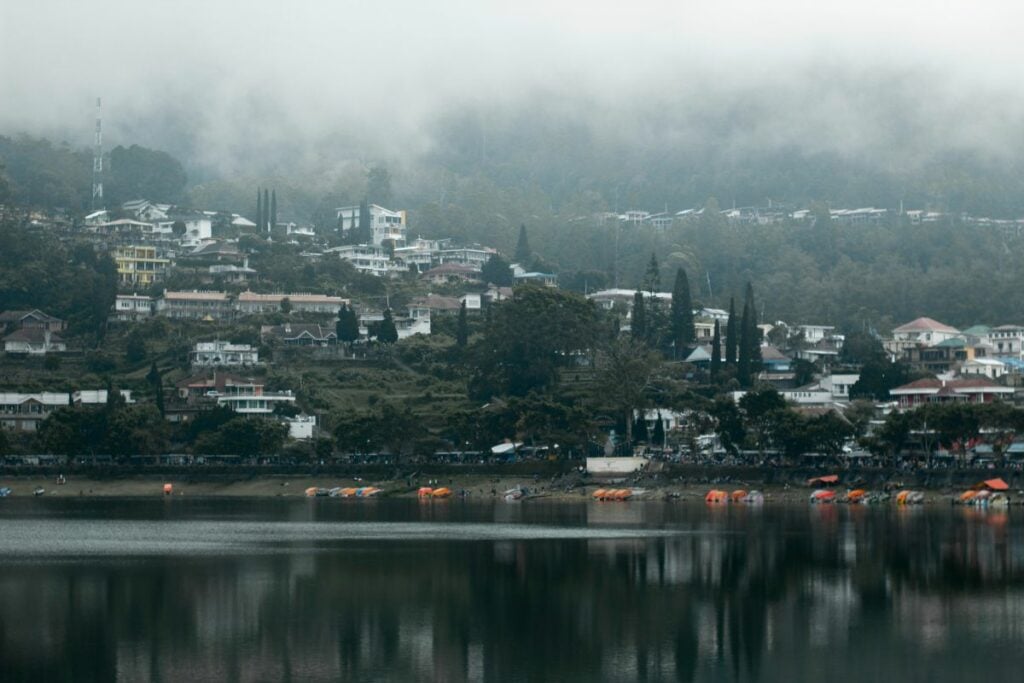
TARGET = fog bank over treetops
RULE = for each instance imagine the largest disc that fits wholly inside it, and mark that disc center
(862, 102)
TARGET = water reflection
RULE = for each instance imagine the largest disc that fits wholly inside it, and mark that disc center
(773, 594)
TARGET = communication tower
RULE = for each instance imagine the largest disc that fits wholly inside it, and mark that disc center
(97, 162)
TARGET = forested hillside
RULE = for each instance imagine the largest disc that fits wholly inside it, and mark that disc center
(484, 171)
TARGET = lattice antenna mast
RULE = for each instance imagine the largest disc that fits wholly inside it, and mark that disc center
(97, 162)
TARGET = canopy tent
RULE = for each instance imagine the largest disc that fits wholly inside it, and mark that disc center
(996, 484)
(827, 480)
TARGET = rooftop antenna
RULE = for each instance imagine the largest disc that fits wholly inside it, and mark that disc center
(97, 162)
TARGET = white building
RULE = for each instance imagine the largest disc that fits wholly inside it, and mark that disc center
(34, 341)
(384, 223)
(24, 411)
(252, 399)
(420, 253)
(197, 229)
(1007, 340)
(924, 331)
(301, 427)
(251, 303)
(365, 258)
(816, 333)
(224, 354)
(988, 367)
(133, 307)
(839, 386)
(474, 257)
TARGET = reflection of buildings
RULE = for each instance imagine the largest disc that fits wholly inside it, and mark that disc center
(773, 595)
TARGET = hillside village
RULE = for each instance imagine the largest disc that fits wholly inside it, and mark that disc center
(217, 318)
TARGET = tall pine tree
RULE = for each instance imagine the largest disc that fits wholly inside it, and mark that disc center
(365, 234)
(743, 363)
(731, 340)
(387, 333)
(683, 333)
(716, 352)
(638, 328)
(273, 210)
(754, 333)
(462, 328)
(265, 225)
(347, 327)
(157, 381)
(652, 278)
(523, 252)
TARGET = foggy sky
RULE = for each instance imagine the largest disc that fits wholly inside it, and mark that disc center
(210, 79)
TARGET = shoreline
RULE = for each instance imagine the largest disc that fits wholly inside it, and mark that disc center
(478, 487)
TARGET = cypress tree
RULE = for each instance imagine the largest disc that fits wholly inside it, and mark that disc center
(157, 381)
(716, 352)
(658, 435)
(652, 278)
(388, 333)
(638, 330)
(753, 333)
(462, 328)
(347, 327)
(523, 252)
(683, 333)
(743, 364)
(266, 211)
(365, 235)
(730, 334)
(640, 427)
(273, 209)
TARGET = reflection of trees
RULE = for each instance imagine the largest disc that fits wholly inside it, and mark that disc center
(747, 592)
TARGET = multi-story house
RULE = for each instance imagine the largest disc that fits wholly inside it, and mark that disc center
(250, 303)
(385, 224)
(365, 258)
(196, 305)
(139, 265)
(133, 307)
(244, 395)
(1007, 341)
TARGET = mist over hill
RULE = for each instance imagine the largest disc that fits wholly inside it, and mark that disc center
(486, 118)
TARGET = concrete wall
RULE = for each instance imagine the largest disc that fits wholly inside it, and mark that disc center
(615, 465)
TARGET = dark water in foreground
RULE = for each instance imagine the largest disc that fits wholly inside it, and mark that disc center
(305, 590)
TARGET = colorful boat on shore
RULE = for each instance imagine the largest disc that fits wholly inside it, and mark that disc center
(613, 494)
(823, 496)
(716, 496)
(909, 497)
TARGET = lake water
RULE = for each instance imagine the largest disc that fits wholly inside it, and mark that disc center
(396, 590)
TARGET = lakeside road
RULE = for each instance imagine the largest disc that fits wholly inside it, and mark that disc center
(474, 487)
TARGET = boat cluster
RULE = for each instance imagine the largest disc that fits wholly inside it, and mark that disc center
(983, 499)
(608, 495)
(339, 492)
(440, 492)
(739, 496)
(864, 497)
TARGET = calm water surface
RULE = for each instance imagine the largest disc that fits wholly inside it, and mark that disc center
(395, 590)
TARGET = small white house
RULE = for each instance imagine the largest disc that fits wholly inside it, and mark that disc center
(133, 307)
(301, 427)
(224, 354)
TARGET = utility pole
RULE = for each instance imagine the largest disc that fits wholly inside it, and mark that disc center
(97, 162)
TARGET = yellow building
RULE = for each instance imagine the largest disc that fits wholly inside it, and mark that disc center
(139, 265)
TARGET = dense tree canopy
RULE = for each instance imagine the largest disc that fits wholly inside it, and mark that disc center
(529, 338)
